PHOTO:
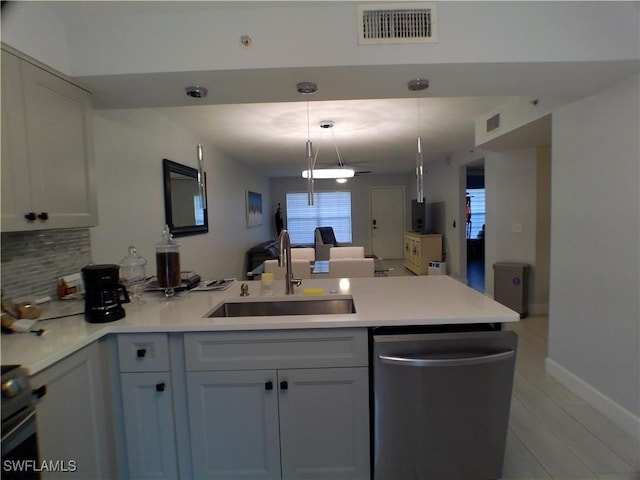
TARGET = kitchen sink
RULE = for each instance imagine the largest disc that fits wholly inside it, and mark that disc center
(287, 307)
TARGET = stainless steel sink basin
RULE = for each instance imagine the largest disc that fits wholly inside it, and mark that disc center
(288, 307)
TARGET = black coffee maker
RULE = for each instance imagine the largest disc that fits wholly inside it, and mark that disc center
(104, 295)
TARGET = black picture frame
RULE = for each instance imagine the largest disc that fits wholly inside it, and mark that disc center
(181, 193)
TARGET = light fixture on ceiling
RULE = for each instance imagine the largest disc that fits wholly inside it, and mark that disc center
(416, 85)
(340, 172)
(196, 91)
(201, 184)
(308, 88)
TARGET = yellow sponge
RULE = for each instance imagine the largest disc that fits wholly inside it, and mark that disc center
(313, 291)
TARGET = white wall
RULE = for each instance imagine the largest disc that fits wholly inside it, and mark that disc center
(185, 36)
(445, 181)
(130, 146)
(594, 330)
(510, 195)
(360, 198)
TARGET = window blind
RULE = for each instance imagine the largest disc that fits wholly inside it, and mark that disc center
(477, 210)
(330, 209)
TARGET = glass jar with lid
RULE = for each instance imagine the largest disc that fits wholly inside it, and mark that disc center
(133, 274)
(168, 263)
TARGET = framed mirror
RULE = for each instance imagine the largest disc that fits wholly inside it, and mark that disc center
(185, 214)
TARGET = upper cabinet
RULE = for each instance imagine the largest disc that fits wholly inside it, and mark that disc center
(47, 149)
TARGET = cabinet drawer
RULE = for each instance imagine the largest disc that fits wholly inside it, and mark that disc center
(144, 352)
(276, 349)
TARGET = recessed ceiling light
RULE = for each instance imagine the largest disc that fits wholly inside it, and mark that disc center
(196, 91)
(307, 88)
(418, 84)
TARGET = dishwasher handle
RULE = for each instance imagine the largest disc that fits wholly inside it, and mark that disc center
(463, 359)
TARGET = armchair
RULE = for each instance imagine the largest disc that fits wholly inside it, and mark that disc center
(324, 240)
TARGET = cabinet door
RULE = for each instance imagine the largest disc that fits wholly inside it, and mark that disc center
(71, 416)
(324, 423)
(16, 198)
(233, 417)
(58, 127)
(148, 420)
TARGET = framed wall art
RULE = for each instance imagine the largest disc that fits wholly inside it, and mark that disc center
(254, 209)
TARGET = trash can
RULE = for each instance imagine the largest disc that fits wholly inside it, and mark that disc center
(511, 286)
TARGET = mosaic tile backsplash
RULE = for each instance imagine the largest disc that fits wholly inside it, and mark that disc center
(32, 262)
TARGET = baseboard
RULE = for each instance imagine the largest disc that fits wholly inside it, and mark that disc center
(610, 409)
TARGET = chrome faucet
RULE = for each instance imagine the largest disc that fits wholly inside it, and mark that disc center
(284, 256)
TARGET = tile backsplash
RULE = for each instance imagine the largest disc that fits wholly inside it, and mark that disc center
(32, 262)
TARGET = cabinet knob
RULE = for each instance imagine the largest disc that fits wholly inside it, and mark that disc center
(268, 385)
(31, 216)
(160, 387)
(43, 216)
(141, 352)
(284, 385)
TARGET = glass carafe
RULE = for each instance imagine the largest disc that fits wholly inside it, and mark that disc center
(168, 263)
(133, 274)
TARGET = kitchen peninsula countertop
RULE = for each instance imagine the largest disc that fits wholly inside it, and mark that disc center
(380, 301)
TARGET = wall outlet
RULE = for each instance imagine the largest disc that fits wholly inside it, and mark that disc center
(516, 227)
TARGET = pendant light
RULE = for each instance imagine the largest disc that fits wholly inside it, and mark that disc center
(415, 85)
(201, 185)
(308, 88)
(309, 150)
(341, 172)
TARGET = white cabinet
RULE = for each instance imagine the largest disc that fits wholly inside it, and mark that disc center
(288, 404)
(72, 420)
(234, 424)
(47, 149)
(419, 250)
(147, 404)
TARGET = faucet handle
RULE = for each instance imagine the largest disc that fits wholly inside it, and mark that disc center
(297, 281)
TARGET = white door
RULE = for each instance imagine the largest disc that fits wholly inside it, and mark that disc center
(387, 221)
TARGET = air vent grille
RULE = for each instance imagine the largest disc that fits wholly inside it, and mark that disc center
(493, 123)
(381, 23)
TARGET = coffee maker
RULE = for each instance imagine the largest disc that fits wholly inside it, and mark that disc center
(104, 295)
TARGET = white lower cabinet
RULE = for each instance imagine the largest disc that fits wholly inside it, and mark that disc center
(324, 423)
(233, 417)
(148, 423)
(271, 405)
(147, 405)
(72, 419)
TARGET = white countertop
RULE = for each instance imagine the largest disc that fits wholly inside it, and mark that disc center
(379, 301)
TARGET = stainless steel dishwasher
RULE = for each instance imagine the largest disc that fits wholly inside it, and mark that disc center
(441, 404)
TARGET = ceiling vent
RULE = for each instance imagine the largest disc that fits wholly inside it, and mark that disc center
(493, 123)
(389, 23)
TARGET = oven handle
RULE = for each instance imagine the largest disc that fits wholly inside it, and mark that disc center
(16, 428)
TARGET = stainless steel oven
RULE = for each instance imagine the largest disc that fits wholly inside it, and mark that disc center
(19, 433)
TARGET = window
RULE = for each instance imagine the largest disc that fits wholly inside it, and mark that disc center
(330, 209)
(477, 212)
